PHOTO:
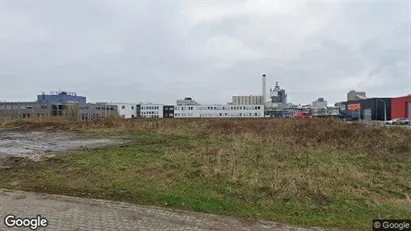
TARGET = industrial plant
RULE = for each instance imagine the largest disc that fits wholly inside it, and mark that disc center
(272, 105)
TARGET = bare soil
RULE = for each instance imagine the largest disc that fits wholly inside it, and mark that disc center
(34, 144)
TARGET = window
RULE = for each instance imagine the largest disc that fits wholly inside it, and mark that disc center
(132, 107)
(123, 107)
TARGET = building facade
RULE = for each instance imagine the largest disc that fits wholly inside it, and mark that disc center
(278, 95)
(219, 111)
(248, 100)
(23, 110)
(320, 103)
(126, 110)
(371, 108)
(148, 111)
(401, 107)
(168, 111)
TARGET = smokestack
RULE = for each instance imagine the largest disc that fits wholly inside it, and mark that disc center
(264, 87)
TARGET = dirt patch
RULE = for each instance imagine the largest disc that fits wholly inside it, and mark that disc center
(34, 144)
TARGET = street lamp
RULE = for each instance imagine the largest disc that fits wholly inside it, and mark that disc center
(385, 109)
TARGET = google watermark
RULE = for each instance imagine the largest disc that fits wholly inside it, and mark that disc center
(402, 225)
(32, 223)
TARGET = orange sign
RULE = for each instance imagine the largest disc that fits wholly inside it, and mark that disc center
(354, 107)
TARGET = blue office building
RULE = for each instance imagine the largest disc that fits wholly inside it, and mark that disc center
(61, 97)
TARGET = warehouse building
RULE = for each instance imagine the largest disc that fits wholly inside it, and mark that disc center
(219, 111)
(22, 110)
(371, 108)
(401, 107)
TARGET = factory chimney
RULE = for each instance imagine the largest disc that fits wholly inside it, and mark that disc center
(264, 87)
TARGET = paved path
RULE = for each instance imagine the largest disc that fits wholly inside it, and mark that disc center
(71, 213)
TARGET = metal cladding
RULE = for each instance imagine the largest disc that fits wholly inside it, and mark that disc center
(401, 107)
(371, 108)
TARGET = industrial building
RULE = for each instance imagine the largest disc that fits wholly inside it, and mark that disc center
(248, 100)
(219, 111)
(371, 108)
(401, 107)
(320, 103)
(278, 97)
(354, 95)
(150, 111)
(22, 110)
(126, 110)
(61, 97)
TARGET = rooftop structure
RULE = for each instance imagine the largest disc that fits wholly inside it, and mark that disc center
(61, 97)
(187, 101)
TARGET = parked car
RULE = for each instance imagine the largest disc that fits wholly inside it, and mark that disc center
(399, 121)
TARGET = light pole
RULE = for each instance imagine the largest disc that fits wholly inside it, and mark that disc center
(385, 109)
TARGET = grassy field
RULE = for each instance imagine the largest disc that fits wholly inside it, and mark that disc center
(300, 171)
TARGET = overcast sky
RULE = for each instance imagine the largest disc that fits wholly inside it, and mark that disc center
(161, 51)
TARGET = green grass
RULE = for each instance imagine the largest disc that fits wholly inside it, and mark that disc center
(305, 172)
(221, 175)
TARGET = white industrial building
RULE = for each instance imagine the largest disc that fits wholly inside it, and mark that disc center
(219, 111)
(320, 103)
(126, 110)
(151, 110)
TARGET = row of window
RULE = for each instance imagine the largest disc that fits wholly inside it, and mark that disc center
(150, 107)
(218, 115)
(2, 107)
(218, 108)
(28, 115)
(150, 116)
(149, 113)
(87, 116)
(102, 108)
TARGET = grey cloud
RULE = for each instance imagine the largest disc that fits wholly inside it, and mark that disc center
(159, 52)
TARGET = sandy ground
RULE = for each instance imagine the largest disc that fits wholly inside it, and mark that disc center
(35, 144)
